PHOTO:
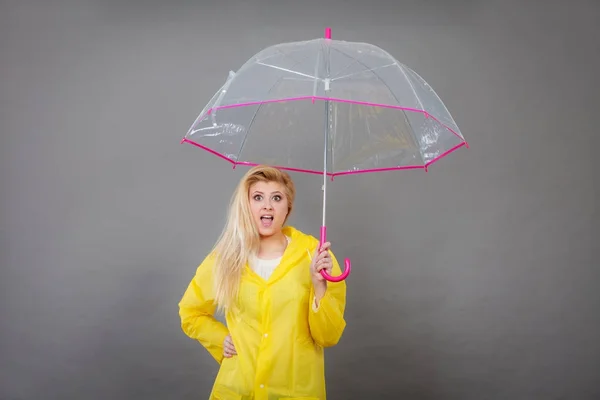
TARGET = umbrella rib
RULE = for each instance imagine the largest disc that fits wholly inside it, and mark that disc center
(397, 101)
(258, 109)
(286, 70)
(412, 87)
(366, 70)
(374, 73)
(354, 61)
(249, 126)
(422, 108)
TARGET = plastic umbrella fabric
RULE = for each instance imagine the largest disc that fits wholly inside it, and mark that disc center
(327, 107)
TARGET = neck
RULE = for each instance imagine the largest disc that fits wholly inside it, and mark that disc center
(272, 246)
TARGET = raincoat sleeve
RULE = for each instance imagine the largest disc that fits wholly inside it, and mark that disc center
(326, 317)
(196, 311)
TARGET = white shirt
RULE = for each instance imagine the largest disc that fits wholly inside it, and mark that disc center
(265, 267)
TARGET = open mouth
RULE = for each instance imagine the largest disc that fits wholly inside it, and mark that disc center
(267, 220)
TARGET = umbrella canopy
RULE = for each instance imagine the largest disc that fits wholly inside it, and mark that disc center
(327, 107)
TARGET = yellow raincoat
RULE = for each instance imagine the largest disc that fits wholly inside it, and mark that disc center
(279, 333)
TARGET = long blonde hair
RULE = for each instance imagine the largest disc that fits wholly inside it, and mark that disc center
(240, 238)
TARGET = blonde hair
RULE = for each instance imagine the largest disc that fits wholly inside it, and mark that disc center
(240, 237)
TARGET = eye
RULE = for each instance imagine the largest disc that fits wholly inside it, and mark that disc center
(277, 197)
(257, 197)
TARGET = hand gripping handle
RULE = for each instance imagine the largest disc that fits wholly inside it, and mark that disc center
(348, 265)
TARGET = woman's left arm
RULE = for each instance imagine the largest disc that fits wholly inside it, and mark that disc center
(326, 314)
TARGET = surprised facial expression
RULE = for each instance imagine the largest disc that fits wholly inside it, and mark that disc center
(269, 207)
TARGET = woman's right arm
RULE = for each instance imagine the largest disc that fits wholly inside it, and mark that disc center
(196, 310)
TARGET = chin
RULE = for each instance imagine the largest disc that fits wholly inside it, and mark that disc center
(266, 232)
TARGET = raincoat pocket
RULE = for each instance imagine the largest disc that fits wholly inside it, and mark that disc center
(223, 393)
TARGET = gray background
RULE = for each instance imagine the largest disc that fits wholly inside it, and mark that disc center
(475, 280)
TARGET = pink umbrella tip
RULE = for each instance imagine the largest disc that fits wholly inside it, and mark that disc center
(327, 33)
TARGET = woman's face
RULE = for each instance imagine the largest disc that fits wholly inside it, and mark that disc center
(269, 207)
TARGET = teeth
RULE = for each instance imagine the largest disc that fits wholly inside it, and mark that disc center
(266, 216)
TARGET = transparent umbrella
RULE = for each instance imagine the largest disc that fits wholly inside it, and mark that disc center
(326, 107)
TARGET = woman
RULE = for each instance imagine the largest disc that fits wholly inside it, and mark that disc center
(280, 312)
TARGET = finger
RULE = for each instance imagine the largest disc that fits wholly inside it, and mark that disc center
(323, 256)
(325, 246)
(320, 265)
(326, 266)
(317, 261)
(322, 248)
(228, 353)
(230, 347)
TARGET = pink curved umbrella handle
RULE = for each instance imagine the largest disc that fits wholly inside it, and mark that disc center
(348, 265)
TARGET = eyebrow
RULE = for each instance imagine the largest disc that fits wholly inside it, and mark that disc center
(259, 192)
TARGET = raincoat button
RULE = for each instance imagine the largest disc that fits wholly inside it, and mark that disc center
(266, 334)
(262, 386)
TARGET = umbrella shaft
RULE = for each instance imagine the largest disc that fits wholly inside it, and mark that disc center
(325, 161)
(326, 140)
